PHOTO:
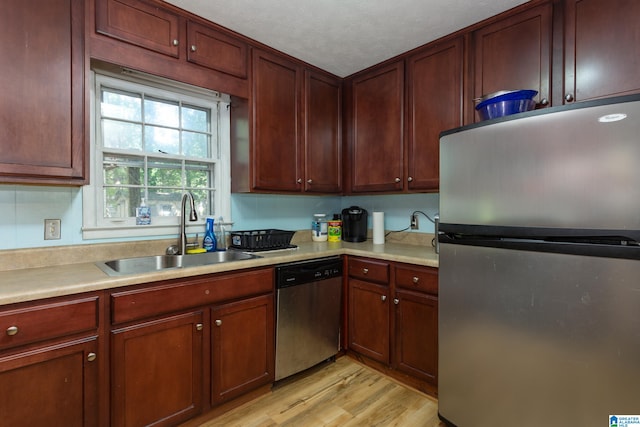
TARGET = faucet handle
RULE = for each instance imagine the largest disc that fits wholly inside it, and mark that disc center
(172, 250)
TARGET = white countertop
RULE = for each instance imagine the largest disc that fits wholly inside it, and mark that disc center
(32, 283)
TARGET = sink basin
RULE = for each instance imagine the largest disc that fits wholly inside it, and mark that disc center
(147, 264)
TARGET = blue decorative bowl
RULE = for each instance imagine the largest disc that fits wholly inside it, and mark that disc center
(504, 103)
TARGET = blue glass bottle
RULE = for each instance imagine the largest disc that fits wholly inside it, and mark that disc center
(209, 241)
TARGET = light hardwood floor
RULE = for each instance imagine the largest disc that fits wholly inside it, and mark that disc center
(345, 393)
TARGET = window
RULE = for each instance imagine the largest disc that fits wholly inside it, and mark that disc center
(153, 140)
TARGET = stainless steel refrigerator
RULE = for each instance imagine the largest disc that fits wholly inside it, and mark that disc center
(539, 297)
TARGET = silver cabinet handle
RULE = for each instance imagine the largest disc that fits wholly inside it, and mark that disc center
(383, 297)
(365, 270)
(12, 330)
(398, 179)
(175, 42)
(309, 181)
(416, 279)
(218, 322)
(299, 181)
(410, 179)
(193, 48)
(568, 97)
(396, 301)
(91, 357)
(199, 326)
(544, 101)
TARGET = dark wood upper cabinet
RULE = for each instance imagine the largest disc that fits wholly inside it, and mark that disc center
(434, 81)
(295, 141)
(141, 23)
(215, 50)
(322, 133)
(376, 146)
(42, 106)
(514, 53)
(276, 123)
(602, 47)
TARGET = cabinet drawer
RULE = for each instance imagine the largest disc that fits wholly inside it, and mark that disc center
(179, 295)
(41, 322)
(416, 278)
(372, 271)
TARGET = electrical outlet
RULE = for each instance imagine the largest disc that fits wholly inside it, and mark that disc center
(414, 222)
(51, 229)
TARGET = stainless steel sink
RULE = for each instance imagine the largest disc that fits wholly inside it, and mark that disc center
(147, 264)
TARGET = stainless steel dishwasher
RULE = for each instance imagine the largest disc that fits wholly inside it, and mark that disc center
(309, 295)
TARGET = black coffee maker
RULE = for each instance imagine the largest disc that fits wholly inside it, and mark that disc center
(354, 224)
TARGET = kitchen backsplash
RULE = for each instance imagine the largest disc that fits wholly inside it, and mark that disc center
(23, 210)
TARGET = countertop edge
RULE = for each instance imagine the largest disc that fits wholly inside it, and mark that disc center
(70, 279)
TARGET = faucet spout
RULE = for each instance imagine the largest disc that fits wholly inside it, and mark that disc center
(193, 216)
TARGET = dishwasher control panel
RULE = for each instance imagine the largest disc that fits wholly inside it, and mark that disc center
(297, 273)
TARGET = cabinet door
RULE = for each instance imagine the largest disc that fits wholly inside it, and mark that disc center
(51, 386)
(157, 371)
(140, 23)
(515, 53)
(435, 104)
(243, 353)
(42, 92)
(322, 142)
(602, 48)
(416, 335)
(276, 144)
(212, 49)
(369, 319)
(377, 130)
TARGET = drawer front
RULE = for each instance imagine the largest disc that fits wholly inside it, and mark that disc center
(188, 293)
(417, 278)
(369, 270)
(41, 322)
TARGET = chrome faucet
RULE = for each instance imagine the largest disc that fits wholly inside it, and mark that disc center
(193, 216)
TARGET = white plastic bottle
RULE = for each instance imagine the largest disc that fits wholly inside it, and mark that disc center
(319, 228)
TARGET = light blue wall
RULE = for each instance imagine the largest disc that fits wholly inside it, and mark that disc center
(23, 210)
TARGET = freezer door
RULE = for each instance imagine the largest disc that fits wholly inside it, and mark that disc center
(537, 339)
(561, 169)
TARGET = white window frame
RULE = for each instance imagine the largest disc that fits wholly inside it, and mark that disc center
(95, 226)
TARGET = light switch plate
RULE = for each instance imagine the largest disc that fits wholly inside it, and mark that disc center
(51, 229)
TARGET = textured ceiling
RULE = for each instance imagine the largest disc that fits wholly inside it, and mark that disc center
(345, 36)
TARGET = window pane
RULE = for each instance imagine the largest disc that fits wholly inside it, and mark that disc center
(161, 113)
(195, 119)
(203, 202)
(122, 170)
(164, 201)
(121, 202)
(120, 105)
(195, 144)
(123, 135)
(165, 173)
(161, 140)
(199, 175)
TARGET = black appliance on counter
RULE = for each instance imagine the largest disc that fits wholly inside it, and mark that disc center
(354, 224)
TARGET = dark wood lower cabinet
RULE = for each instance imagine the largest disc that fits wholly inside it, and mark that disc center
(242, 347)
(416, 335)
(55, 385)
(369, 319)
(395, 325)
(157, 371)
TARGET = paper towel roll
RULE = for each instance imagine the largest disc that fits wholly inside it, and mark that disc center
(378, 228)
